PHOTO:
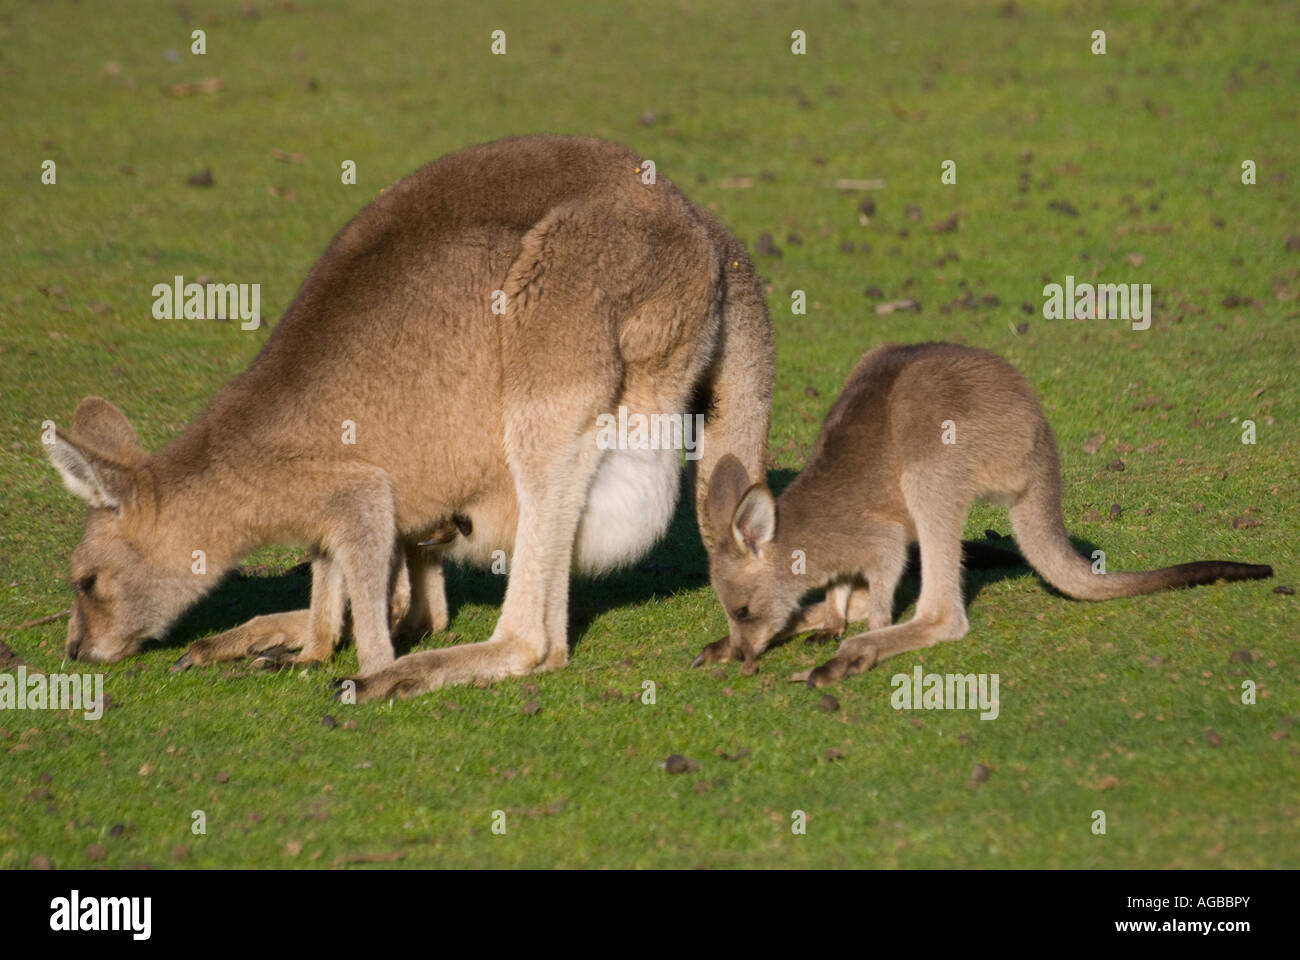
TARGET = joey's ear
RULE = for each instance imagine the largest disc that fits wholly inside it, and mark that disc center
(95, 478)
(104, 427)
(727, 485)
(754, 523)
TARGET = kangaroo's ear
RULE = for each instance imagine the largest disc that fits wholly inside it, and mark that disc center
(104, 427)
(754, 523)
(727, 485)
(97, 462)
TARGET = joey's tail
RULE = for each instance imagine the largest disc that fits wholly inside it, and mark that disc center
(1040, 533)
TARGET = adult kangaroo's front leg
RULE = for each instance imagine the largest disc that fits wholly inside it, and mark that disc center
(271, 631)
(363, 543)
(291, 637)
(277, 635)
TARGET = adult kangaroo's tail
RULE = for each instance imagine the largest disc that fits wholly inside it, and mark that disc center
(1040, 534)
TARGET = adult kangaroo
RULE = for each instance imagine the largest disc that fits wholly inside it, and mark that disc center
(434, 392)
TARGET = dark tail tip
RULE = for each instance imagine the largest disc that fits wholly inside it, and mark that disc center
(1210, 571)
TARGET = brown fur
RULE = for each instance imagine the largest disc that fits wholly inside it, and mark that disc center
(881, 477)
(473, 430)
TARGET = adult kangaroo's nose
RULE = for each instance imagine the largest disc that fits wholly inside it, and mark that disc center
(74, 645)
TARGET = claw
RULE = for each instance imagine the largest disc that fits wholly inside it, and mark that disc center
(699, 660)
(184, 663)
(272, 658)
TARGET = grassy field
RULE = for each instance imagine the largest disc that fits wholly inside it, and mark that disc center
(1124, 167)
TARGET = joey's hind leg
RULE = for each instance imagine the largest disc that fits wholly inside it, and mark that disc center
(940, 614)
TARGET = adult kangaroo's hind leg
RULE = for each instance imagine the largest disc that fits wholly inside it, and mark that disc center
(576, 304)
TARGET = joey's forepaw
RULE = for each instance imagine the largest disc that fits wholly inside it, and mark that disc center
(824, 636)
(719, 651)
(840, 666)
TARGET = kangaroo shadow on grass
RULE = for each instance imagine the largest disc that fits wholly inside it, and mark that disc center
(239, 598)
(677, 562)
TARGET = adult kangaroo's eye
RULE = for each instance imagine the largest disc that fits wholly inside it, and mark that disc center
(740, 614)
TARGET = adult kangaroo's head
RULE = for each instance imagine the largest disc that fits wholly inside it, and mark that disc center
(753, 582)
(129, 581)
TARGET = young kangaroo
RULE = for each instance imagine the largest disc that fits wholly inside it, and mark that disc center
(919, 433)
(434, 391)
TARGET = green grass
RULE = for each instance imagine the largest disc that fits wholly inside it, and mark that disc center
(1146, 143)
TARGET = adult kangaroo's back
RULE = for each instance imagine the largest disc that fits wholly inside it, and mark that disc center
(440, 374)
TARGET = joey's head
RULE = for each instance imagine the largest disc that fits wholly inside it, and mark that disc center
(750, 573)
(123, 593)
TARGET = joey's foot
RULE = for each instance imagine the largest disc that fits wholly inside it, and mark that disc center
(719, 651)
(840, 666)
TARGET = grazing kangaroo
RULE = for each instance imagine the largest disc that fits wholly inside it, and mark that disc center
(464, 332)
(919, 433)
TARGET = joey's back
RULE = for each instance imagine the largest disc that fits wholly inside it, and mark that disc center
(961, 414)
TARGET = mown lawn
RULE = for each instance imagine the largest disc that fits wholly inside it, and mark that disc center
(1124, 167)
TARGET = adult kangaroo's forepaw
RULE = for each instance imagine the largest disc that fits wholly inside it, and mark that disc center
(232, 645)
(275, 635)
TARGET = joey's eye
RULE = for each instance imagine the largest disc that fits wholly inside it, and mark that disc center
(86, 585)
(740, 614)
